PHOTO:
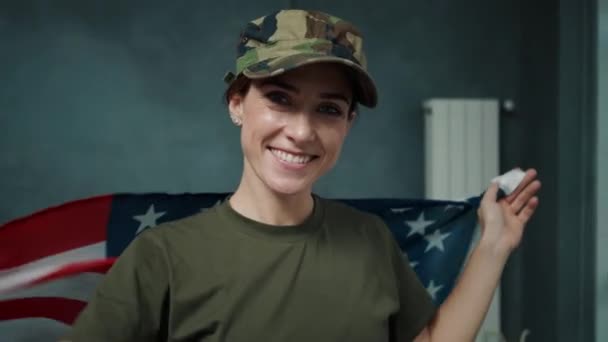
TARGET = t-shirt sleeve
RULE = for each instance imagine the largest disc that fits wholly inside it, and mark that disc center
(416, 307)
(128, 305)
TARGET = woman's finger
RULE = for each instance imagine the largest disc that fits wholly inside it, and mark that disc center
(527, 212)
(528, 178)
(490, 194)
(525, 195)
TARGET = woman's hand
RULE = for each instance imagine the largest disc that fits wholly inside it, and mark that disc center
(503, 222)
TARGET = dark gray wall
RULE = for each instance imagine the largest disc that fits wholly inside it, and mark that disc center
(107, 96)
(529, 138)
(602, 169)
(550, 280)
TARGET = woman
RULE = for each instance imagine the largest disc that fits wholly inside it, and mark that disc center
(275, 262)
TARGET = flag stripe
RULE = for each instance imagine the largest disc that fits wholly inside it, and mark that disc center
(78, 287)
(58, 309)
(95, 266)
(34, 271)
(56, 230)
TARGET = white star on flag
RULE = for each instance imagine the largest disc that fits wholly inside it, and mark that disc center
(418, 226)
(450, 206)
(148, 219)
(406, 258)
(432, 289)
(216, 203)
(435, 240)
(400, 210)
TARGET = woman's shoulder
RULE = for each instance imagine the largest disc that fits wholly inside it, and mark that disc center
(193, 230)
(346, 214)
(195, 223)
(355, 225)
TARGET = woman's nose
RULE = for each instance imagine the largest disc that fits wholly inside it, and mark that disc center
(300, 127)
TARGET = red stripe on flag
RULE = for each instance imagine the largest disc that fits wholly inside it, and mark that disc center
(59, 309)
(54, 230)
(94, 266)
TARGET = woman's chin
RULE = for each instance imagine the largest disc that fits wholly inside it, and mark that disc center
(289, 187)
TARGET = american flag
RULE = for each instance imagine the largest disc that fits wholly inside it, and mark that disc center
(51, 261)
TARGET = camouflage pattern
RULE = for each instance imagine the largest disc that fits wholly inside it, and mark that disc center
(287, 39)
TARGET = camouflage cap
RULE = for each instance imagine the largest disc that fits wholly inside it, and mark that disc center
(287, 39)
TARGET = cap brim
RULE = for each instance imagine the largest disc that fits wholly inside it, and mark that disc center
(366, 92)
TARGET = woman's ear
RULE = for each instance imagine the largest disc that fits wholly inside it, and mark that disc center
(235, 107)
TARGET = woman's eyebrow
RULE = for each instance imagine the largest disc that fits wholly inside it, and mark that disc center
(335, 96)
(292, 88)
(280, 84)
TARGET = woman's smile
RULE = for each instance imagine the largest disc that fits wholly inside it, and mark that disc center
(290, 160)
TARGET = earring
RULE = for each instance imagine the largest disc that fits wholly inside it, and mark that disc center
(236, 120)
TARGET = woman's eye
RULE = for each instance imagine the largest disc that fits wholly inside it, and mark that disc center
(278, 98)
(330, 109)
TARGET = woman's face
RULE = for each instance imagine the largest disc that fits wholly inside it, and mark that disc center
(293, 126)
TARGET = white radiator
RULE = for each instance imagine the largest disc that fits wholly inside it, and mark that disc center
(461, 157)
(461, 146)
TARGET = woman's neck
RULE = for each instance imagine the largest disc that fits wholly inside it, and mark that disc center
(257, 202)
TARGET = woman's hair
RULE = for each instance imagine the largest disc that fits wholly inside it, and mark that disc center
(241, 86)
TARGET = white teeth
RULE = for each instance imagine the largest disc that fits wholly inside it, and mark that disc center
(291, 158)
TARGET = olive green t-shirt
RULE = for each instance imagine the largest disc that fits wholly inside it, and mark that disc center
(219, 276)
